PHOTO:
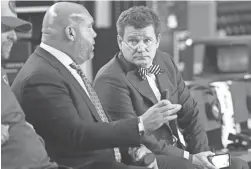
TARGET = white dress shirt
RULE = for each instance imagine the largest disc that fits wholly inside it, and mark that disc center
(66, 61)
(151, 78)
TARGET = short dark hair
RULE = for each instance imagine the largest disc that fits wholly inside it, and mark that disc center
(139, 17)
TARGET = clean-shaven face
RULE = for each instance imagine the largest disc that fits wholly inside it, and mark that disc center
(139, 45)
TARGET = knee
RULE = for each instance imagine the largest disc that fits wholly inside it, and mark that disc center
(187, 164)
(237, 163)
(173, 162)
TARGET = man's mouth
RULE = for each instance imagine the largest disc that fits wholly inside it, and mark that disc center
(141, 57)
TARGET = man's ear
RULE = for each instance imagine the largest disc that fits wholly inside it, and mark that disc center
(119, 40)
(158, 40)
(70, 33)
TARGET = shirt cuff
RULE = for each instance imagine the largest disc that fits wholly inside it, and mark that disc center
(141, 126)
(186, 155)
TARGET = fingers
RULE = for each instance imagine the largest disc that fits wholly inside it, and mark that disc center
(209, 165)
(209, 153)
(170, 109)
(166, 105)
(175, 108)
(164, 112)
(162, 103)
(169, 118)
(158, 114)
(168, 112)
(153, 165)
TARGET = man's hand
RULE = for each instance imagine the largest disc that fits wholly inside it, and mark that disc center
(137, 153)
(201, 161)
(159, 114)
(154, 165)
(4, 133)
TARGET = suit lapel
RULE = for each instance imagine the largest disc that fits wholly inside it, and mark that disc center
(69, 78)
(142, 86)
(164, 84)
(166, 89)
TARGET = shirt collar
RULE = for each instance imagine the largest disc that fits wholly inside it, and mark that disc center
(61, 56)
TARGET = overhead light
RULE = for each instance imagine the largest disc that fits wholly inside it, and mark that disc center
(189, 42)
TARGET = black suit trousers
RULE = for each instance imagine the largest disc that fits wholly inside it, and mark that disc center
(173, 162)
(237, 163)
(164, 162)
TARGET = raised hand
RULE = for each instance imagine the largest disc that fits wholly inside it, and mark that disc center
(159, 114)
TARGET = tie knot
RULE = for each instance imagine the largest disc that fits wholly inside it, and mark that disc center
(80, 72)
(76, 67)
(153, 69)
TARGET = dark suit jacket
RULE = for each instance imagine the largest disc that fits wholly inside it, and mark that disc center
(125, 95)
(24, 148)
(62, 113)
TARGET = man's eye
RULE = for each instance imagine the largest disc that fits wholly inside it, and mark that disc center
(134, 41)
(147, 41)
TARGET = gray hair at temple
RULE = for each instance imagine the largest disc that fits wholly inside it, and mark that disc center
(139, 17)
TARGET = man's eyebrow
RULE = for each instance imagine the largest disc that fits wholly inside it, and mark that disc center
(132, 36)
(137, 36)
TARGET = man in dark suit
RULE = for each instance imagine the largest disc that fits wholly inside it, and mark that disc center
(21, 147)
(139, 76)
(61, 104)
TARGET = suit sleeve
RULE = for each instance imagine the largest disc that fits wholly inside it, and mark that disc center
(11, 111)
(189, 119)
(49, 107)
(116, 99)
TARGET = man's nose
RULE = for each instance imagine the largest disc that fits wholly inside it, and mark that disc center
(94, 33)
(12, 36)
(141, 47)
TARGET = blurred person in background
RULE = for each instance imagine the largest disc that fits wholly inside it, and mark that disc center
(21, 147)
(139, 76)
(61, 104)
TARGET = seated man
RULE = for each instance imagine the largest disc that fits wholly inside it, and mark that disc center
(139, 76)
(21, 147)
(59, 101)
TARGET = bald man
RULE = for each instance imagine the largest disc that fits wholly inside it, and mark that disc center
(61, 104)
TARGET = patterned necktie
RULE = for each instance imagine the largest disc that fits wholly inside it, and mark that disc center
(153, 69)
(96, 102)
